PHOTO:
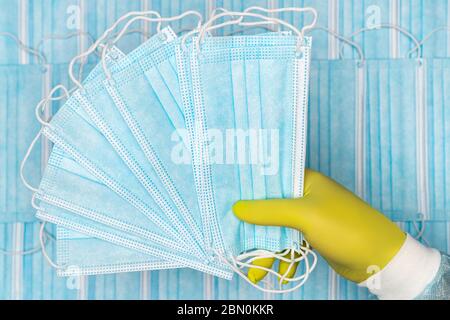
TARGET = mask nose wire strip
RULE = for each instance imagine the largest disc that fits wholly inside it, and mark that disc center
(121, 33)
(208, 26)
(427, 37)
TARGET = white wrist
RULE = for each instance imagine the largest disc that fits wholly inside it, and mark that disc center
(407, 274)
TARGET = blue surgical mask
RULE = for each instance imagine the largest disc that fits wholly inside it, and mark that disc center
(20, 86)
(391, 133)
(220, 80)
(438, 133)
(62, 205)
(93, 75)
(59, 125)
(120, 125)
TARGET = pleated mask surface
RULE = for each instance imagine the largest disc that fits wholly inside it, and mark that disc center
(118, 123)
(65, 127)
(73, 249)
(438, 138)
(393, 174)
(240, 92)
(45, 197)
(155, 132)
(63, 192)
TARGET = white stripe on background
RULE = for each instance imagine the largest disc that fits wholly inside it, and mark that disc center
(210, 6)
(208, 287)
(82, 292)
(394, 20)
(23, 30)
(448, 24)
(17, 262)
(82, 40)
(360, 130)
(82, 45)
(18, 228)
(421, 140)
(145, 285)
(146, 6)
(45, 143)
(333, 285)
(333, 25)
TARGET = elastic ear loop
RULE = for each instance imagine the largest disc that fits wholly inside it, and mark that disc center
(102, 38)
(427, 37)
(66, 37)
(38, 110)
(389, 26)
(237, 267)
(131, 21)
(362, 59)
(42, 241)
(290, 9)
(43, 234)
(41, 58)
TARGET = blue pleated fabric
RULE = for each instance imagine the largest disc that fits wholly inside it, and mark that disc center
(382, 129)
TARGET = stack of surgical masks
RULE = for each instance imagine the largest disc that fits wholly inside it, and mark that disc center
(153, 147)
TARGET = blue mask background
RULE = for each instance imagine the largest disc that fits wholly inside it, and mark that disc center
(30, 277)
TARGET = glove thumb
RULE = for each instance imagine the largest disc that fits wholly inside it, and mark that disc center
(275, 212)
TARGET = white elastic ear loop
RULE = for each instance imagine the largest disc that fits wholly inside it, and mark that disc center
(427, 37)
(237, 266)
(38, 110)
(42, 233)
(131, 21)
(41, 58)
(390, 26)
(259, 254)
(290, 9)
(44, 251)
(420, 229)
(351, 43)
(208, 25)
(66, 37)
(102, 38)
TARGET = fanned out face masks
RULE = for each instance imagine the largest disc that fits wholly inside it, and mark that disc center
(71, 246)
(64, 164)
(259, 84)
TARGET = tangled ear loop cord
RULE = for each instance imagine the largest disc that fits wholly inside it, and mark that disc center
(304, 253)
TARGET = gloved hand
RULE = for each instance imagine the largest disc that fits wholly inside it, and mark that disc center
(349, 234)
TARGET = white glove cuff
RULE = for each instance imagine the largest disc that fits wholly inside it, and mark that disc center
(407, 274)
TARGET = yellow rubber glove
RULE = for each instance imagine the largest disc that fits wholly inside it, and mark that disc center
(349, 234)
